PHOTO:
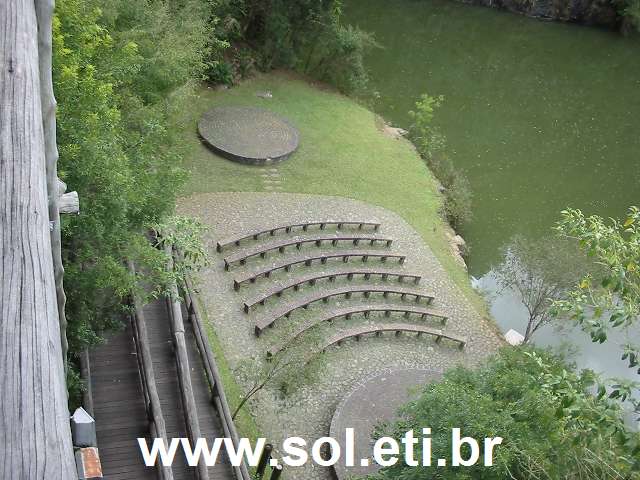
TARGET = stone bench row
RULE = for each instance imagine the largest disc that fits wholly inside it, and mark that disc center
(318, 241)
(311, 279)
(347, 292)
(307, 260)
(407, 311)
(397, 329)
(295, 226)
(347, 313)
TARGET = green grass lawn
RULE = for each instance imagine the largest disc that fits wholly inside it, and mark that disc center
(342, 152)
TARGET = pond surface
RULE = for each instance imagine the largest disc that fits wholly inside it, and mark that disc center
(539, 115)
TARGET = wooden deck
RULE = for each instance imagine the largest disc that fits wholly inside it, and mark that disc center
(119, 401)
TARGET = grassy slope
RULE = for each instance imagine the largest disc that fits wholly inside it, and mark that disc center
(342, 152)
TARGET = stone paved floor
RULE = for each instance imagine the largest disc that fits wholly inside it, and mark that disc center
(309, 410)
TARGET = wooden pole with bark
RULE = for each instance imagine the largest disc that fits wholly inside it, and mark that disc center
(44, 13)
(35, 436)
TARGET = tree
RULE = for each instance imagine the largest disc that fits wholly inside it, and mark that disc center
(35, 435)
(540, 272)
(608, 297)
(552, 426)
(122, 74)
(288, 369)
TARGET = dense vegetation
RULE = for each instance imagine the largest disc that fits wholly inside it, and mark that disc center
(304, 35)
(552, 425)
(123, 73)
(120, 74)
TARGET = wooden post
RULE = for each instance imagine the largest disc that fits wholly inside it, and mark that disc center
(35, 435)
(44, 14)
(276, 472)
(182, 363)
(264, 460)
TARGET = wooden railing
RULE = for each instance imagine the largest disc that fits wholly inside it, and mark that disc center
(182, 363)
(219, 398)
(150, 391)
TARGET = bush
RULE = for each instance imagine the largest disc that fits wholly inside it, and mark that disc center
(122, 70)
(552, 426)
(304, 35)
(431, 144)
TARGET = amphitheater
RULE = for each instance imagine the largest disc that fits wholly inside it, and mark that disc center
(351, 283)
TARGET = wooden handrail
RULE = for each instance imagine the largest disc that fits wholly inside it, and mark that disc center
(182, 363)
(150, 391)
(85, 375)
(213, 376)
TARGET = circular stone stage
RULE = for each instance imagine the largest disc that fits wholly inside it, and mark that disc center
(372, 402)
(248, 134)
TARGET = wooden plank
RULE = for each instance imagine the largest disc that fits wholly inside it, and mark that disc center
(119, 409)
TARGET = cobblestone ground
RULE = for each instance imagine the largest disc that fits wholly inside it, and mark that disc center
(308, 411)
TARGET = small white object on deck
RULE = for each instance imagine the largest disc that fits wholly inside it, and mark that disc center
(514, 338)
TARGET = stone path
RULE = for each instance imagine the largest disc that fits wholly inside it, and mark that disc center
(271, 180)
(374, 402)
(308, 411)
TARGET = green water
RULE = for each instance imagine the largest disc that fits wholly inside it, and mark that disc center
(539, 115)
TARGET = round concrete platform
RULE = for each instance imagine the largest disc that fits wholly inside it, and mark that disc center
(372, 402)
(248, 134)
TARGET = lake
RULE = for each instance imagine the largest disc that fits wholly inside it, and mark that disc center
(539, 116)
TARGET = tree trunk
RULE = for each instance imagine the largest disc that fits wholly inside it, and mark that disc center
(44, 13)
(35, 437)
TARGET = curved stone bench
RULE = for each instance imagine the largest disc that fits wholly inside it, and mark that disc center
(378, 330)
(397, 328)
(294, 226)
(311, 279)
(318, 241)
(347, 292)
(347, 313)
(308, 260)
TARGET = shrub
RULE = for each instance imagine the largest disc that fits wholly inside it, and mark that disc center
(121, 72)
(431, 144)
(552, 426)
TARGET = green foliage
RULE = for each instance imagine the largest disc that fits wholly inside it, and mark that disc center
(552, 426)
(632, 13)
(121, 73)
(184, 235)
(608, 297)
(304, 35)
(431, 145)
(424, 135)
(337, 57)
(75, 385)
